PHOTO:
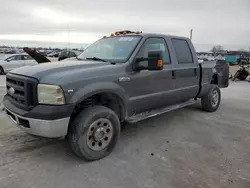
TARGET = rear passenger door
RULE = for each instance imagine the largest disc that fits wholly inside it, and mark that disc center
(185, 73)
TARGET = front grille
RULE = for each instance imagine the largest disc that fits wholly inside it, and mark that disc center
(22, 91)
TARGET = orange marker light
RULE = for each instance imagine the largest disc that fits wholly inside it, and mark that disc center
(160, 63)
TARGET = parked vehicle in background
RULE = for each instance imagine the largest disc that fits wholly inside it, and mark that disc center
(231, 59)
(129, 76)
(53, 54)
(67, 54)
(15, 61)
(202, 60)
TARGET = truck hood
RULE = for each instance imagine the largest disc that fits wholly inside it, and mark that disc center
(57, 70)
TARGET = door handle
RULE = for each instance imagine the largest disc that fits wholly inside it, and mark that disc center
(173, 74)
(195, 72)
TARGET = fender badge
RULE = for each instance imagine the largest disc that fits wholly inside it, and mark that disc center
(70, 91)
(124, 79)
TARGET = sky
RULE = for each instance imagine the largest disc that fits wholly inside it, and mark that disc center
(76, 23)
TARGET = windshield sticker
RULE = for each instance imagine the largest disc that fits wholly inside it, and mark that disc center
(126, 39)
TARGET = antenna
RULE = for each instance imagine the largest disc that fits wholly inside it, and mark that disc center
(191, 34)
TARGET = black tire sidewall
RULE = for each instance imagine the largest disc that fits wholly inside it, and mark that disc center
(84, 120)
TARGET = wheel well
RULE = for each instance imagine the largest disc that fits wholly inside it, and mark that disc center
(110, 100)
(214, 79)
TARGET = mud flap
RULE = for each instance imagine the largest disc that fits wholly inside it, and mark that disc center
(222, 72)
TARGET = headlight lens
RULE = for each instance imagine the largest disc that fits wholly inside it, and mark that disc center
(50, 94)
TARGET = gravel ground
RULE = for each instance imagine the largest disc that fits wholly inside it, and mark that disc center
(184, 148)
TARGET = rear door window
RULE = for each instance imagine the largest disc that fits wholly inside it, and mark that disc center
(182, 50)
(18, 57)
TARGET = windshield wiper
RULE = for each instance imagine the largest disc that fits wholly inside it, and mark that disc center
(99, 59)
(96, 59)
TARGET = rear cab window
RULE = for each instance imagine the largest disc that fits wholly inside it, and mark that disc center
(182, 51)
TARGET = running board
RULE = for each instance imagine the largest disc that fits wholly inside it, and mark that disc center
(158, 111)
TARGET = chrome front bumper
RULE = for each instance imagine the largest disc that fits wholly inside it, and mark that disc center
(45, 128)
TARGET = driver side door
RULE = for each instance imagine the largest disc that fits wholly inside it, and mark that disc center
(151, 89)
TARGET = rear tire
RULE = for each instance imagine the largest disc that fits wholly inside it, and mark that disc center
(211, 101)
(94, 133)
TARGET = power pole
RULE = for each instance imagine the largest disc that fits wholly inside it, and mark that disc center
(68, 37)
(191, 34)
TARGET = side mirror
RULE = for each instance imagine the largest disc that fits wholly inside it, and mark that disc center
(153, 62)
(7, 60)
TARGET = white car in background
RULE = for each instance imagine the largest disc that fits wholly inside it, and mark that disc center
(15, 61)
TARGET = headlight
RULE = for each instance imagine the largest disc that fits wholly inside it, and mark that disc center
(50, 94)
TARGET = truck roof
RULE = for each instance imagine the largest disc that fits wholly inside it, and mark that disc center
(163, 35)
(151, 35)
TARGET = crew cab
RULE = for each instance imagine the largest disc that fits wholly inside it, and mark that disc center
(128, 76)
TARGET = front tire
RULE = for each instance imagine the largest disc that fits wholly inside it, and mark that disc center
(94, 133)
(211, 101)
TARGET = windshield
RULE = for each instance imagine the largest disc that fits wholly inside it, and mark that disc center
(114, 49)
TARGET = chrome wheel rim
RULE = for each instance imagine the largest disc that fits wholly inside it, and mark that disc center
(215, 98)
(99, 134)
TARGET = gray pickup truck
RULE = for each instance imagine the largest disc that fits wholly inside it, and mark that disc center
(128, 76)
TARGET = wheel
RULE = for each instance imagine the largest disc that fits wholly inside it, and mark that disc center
(1, 71)
(94, 133)
(211, 101)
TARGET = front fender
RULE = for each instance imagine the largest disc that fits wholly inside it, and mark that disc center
(96, 88)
